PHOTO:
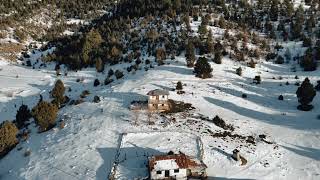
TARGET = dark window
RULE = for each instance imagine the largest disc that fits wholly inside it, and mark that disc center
(176, 170)
(162, 96)
(159, 172)
(167, 173)
(162, 104)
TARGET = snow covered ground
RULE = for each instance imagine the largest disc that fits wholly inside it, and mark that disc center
(137, 147)
(86, 148)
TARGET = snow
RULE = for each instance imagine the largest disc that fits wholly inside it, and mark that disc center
(86, 147)
(99, 134)
(165, 165)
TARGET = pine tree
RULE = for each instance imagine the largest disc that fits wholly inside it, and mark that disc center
(297, 25)
(202, 29)
(179, 86)
(202, 68)
(99, 65)
(305, 94)
(307, 62)
(91, 41)
(222, 22)
(217, 57)
(190, 54)
(274, 10)
(22, 116)
(289, 9)
(239, 71)
(58, 93)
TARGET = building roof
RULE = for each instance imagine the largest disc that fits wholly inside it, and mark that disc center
(158, 92)
(175, 161)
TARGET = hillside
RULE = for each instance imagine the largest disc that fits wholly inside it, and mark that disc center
(233, 71)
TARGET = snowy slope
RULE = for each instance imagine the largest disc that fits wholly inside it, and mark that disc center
(86, 148)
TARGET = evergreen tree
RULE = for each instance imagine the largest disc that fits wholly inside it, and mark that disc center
(297, 25)
(274, 10)
(289, 9)
(305, 94)
(91, 41)
(307, 62)
(99, 65)
(58, 93)
(202, 68)
(202, 30)
(22, 116)
(239, 71)
(222, 22)
(217, 57)
(190, 54)
(96, 83)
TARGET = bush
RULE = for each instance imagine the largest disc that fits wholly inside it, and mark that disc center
(244, 96)
(96, 99)
(84, 93)
(280, 98)
(257, 80)
(22, 116)
(108, 81)
(119, 74)
(8, 137)
(45, 115)
(110, 73)
(252, 64)
(279, 60)
(239, 71)
(271, 56)
(96, 83)
(179, 86)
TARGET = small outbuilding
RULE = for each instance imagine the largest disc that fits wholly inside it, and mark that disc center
(158, 100)
(176, 166)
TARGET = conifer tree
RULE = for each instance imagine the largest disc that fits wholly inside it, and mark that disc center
(22, 116)
(202, 68)
(58, 93)
(305, 94)
(190, 54)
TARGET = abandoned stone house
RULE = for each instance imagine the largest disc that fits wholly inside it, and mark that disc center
(176, 166)
(158, 100)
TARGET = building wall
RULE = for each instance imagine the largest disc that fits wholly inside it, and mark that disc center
(158, 107)
(181, 175)
(158, 103)
(164, 97)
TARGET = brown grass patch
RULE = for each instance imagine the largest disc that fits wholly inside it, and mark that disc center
(10, 51)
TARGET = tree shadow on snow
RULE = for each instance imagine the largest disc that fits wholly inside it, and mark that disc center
(277, 119)
(308, 152)
(132, 160)
(177, 70)
(125, 98)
